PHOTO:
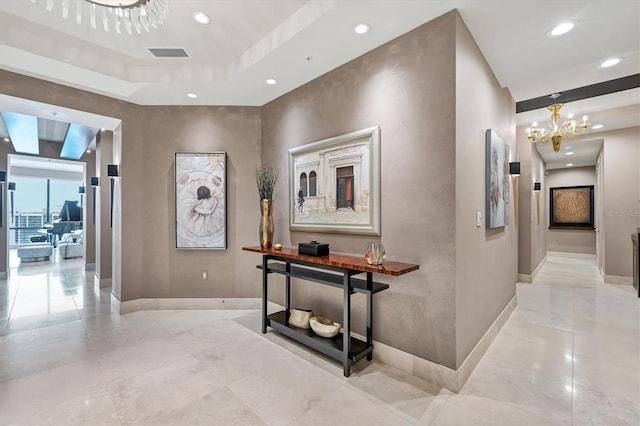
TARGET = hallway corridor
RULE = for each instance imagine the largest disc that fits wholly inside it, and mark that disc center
(568, 355)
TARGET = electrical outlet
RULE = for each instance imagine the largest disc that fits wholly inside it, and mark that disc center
(205, 275)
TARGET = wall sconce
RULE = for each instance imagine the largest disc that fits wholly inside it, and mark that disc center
(11, 186)
(3, 179)
(94, 183)
(514, 171)
(536, 190)
(112, 172)
(81, 192)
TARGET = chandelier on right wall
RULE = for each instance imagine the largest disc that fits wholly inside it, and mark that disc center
(555, 134)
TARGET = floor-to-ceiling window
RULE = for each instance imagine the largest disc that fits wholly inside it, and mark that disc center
(37, 202)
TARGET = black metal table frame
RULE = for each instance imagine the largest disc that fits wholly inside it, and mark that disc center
(349, 286)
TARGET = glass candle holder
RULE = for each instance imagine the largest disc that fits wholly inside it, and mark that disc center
(375, 254)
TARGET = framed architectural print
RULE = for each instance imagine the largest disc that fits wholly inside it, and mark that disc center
(496, 180)
(201, 204)
(334, 184)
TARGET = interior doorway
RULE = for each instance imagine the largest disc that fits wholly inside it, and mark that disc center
(45, 208)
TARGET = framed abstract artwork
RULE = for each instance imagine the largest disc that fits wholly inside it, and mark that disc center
(571, 207)
(496, 180)
(201, 204)
(334, 184)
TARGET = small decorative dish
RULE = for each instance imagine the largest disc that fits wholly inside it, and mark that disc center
(324, 327)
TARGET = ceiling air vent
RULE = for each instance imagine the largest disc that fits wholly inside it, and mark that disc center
(168, 52)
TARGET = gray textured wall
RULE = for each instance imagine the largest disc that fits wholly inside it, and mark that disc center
(532, 229)
(621, 208)
(406, 87)
(169, 272)
(486, 260)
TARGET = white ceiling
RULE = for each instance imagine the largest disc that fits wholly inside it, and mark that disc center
(295, 41)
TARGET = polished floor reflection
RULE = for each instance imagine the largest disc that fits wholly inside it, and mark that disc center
(569, 355)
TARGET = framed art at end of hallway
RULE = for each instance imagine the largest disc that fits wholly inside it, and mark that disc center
(200, 200)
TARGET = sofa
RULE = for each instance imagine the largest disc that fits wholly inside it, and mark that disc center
(35, 252)
(71, 245)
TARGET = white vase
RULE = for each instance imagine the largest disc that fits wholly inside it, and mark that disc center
(300, 318)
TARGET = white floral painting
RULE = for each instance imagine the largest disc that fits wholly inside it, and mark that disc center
(201, 212)
(497, 181)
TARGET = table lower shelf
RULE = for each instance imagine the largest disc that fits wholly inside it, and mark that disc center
(331, 347)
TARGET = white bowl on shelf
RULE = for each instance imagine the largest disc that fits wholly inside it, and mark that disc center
(300, 317)
(324, 327)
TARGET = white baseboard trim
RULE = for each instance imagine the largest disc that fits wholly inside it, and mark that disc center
(99, 284)
(529, 278)
(617, 279)
(445, 377)
(591, 256)
(154, 304)
(538, 268)
(524, 278)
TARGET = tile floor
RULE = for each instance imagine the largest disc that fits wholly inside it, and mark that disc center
(568, 355)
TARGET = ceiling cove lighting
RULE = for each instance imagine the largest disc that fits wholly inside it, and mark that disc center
(560, 29)
(610, 62)
(361, 28)
(201, 18)
(23, 131)
(555, 134)
(130, 15)
(271, 81)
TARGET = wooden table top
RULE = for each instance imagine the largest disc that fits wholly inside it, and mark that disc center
(358, 263)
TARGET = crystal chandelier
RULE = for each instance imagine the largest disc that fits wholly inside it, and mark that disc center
(569, 128)
(122, 15)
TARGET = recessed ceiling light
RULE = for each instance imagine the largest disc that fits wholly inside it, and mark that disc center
(569, 164)
(560, 29)
(610, 62)
(192, 95)
(201, 18)
(361, 28)
(88, 151)
(270, 81)
(569, 153)
(597, 126)
(6, 139)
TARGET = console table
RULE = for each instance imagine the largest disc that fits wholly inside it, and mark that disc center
(342, 268)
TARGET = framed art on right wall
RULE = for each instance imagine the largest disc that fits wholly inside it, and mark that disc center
(571, 207)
